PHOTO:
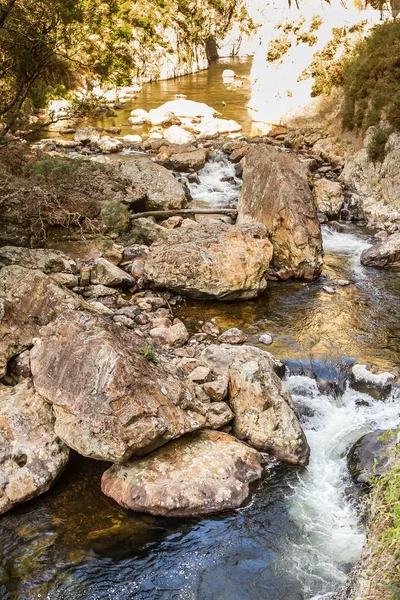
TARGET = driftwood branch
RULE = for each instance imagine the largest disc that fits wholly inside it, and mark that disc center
(164, 214)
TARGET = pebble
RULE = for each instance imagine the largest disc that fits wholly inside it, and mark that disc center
(343, 282)
(266, 339)
(329, 290)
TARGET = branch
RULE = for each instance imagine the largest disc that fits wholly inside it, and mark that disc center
(162, 214)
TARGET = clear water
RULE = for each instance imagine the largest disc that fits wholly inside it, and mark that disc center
(300, 533)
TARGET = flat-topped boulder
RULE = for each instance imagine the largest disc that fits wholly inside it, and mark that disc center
(153, 184)
(276, 193)
(201, 473)
(108, 400)
(31, 454)
(183, 158)
(29, 299)
(265, 415)
(203, 260)
(383, 254)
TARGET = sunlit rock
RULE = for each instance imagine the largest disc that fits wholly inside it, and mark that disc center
(328, 196)
(177, 135)
(383, 254)
(210, 261)
(31, 454)
(198, 474)
(276, 194)
(108, 400)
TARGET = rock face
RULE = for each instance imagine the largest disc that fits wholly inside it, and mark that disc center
(265, 416)
(328, 196)
(31, 454)
(154, 185)
(29, 300)
(210, 261)
(383, 254)
(276, 193)
(198, 474)
(377, 184)
(109, 401)
(372, 455)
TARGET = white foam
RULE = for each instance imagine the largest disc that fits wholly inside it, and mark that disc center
(211, 190)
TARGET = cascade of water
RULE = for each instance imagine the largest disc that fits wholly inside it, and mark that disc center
(218, 184)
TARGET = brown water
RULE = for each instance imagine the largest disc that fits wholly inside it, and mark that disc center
(299, 535)
(205, 86)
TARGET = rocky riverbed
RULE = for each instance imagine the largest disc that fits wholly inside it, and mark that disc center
(142, 343)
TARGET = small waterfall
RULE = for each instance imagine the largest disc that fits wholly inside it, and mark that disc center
(329, 538)
(218, 185)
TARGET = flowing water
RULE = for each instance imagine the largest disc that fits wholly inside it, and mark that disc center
(300, 533)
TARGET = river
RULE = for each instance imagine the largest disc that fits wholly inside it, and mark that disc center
(301, 532)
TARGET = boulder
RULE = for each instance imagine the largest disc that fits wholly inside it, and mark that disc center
(108, 400)
(210, 261)
(177, 135)
(109, 145)
(383, 254)
(372, 455)
(265, 416)
(138, 117)
(198, 474)
(29, 300)
(154, 185)
(87, 136)
(183, 159)
(276, 193)
(328, 196)
(210, 127)
(47, 261)
(186, 108)
(31, 454)
(103, 272)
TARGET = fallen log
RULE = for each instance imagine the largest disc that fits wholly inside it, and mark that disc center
(164, 214)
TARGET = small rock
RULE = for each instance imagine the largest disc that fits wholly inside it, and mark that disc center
(200, 375)
(105, 273)
(329, 290)
(175, 335)
(233, 336)
(266, 339)
(210, 329)
(343, 282)
(218, 389)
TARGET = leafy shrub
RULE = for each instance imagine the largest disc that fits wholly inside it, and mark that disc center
(278, 47)
(149, 354)
(371, 79)
(376, 145)
(53, 168)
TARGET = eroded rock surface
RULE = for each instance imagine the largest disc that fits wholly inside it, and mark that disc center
(276, 193)
(265, 416)
(154, 185)
(210, 261)
(31, 454)
(372, 455)
(109, 401)
(48, 261)
(29, 300)
(328, 196)
(198, 474)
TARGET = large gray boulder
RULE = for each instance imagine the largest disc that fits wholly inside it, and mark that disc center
(153, 184)
(29, 299)
(372, 455)
(108, 400)
(383, 254)
(265, 416)
(276, 193)
(31, 454)
(201, 473)
(207, 261)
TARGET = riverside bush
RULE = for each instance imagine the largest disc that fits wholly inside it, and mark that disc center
(371, 80)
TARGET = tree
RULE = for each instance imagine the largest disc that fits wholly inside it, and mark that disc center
(47, 46)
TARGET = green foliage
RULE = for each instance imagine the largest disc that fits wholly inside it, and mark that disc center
(149, 354)
(53, 168)
(371, 79)
(376, 145)
(115, 216)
